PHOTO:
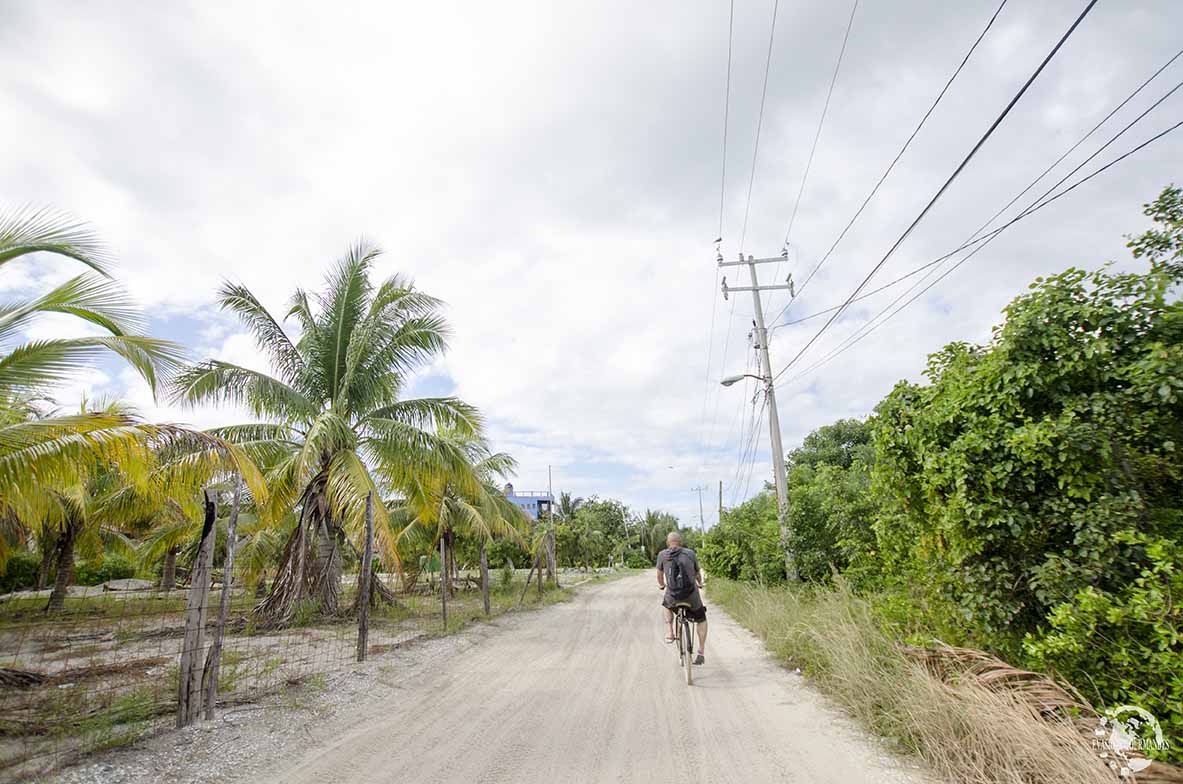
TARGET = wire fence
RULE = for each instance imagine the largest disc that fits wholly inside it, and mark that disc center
(107, 669)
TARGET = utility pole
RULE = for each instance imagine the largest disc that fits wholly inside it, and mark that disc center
(702, 526)
(780, 472)
(720, 500)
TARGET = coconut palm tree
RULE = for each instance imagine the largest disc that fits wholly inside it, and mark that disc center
(567, 507)
(89, 506)
(445, 508)
(46, 448)
(331, 421)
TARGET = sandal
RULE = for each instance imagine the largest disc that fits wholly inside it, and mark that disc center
(699, 659)
(669, 639)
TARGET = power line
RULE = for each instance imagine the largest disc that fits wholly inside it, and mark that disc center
(821, 122)
(726, 113)
(755, 446)
(940, 192)
(975, 238)
(759, 124)
(870, 327)
(722, 189)
(1041, 201)
(747, 463)
(890, 166)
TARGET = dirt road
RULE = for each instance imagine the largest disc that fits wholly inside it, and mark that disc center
(587, 691)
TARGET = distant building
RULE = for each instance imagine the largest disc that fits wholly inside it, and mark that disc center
(533, 503)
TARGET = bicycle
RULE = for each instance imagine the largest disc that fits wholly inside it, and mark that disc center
(684, 636)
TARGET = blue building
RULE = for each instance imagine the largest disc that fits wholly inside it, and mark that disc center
(534, 503)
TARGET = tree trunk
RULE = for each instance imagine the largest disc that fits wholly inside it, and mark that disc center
(485, 576)
(311, 563)
(168, 577)
(444, 581)
(65, 568)
(448, 572)
(327, 577)
(552, 572)
(48, 548)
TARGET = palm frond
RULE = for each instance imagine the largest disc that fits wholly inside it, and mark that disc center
(41, 363)
(222, 382)
(32, 230)
(404, 454)
(342, 307)
(269, 335)
(432, 413)
(91, 298)
(348, 485)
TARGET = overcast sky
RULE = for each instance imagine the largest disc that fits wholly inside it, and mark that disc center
(552, 171)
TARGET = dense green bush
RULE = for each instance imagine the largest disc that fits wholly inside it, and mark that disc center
(112, 567)
(745, 545)
(1124, 645)
(20, 572)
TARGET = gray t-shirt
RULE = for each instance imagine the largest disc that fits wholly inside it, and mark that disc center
(689, 563)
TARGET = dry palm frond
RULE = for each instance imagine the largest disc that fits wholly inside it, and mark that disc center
(1049, 699)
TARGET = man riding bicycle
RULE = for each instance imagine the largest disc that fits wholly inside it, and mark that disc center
(680, 576)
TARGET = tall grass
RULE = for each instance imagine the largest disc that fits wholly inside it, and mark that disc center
(964, 732)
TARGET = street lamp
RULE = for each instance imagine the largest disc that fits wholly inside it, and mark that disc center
(733, 379)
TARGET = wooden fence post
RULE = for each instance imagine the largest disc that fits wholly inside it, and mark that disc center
(365, 582)
(196, 609)
(214, 659)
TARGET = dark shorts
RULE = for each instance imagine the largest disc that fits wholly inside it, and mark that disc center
(698, 615)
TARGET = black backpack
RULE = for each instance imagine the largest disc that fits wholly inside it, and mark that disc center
(680, 584)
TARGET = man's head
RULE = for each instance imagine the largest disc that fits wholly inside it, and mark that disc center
(673, 539)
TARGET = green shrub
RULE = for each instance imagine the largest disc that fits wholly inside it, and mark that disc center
(505, 576)
(111, 567)
(20, 573)
(1125, 647)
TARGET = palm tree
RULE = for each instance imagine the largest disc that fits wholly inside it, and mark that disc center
(446, 508)
(331, 422)
(89, 507)
(568, 506)
(654, 528)
(50, 448)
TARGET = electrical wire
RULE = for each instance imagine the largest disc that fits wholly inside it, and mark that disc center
(975, 238)
(871, 326)
(726, 113)
(759, 125)
(1041, 201)
(722, 190)
(941, 191)
(755, 446)
(890, 166)
(821, 122)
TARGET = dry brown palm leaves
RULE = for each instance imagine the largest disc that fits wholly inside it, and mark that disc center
(1047, 698)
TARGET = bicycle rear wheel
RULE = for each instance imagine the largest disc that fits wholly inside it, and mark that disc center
(689, 659)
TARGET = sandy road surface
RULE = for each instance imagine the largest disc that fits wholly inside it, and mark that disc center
(587, 691)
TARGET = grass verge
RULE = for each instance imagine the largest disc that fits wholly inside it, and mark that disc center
(962, 731)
